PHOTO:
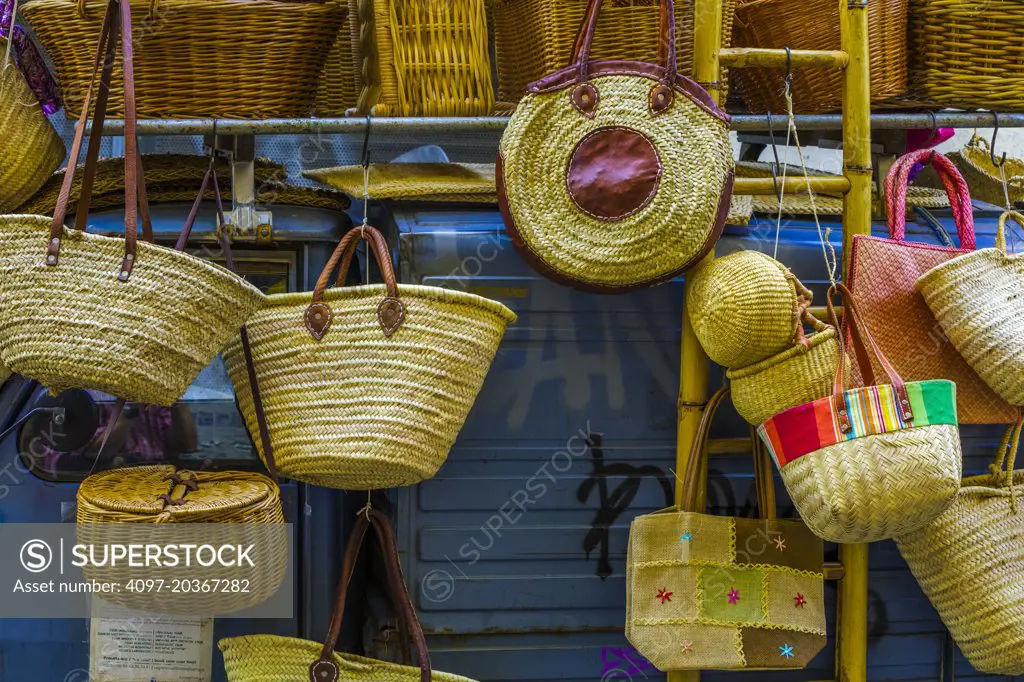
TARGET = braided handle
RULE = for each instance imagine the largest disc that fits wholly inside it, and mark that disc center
(898, 179)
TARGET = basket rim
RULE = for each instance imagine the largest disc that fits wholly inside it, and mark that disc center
(305, 298)
(950, 267)
(813, 341)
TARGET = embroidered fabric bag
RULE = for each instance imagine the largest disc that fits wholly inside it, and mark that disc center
(723, 593)
(869, 463)
(615, 174)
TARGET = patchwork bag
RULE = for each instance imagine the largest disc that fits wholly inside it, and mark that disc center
(722, 593)
(270, 658)
(615, 174)
(977, 299)
(883, 274)
(869, 463)
(969, 561)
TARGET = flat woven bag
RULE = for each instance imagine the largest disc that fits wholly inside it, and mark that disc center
(130, 318)
(363, 387)
(969, 562)
(270, 658)
(614, 175)
(719, 592)
(869, 463)
(976, 297)
(143, 503)
(883, 275)
(411, 180)
(801, 373)
(745, 307)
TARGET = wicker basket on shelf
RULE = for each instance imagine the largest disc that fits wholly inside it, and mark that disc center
(199, 58)
(532, 37)
(814, 25)
(341, 81)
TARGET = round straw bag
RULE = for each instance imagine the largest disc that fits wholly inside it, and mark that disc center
(797, 375)
(969, 562)
(363, 387)
(746, 307)
(977, 300)
(985, 179)
(270, 658)
(870, 463)
(615, 174)
(130, 318)
(146, 505)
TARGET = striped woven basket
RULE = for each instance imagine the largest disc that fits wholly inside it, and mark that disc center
(149, 504)
(746, 307)
(364, 387)
(977, 300)
(797, 375)
(30, 148)
(969, 562)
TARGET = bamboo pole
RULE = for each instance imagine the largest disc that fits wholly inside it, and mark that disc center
(772, 58)
(852, 649)
(795, 184)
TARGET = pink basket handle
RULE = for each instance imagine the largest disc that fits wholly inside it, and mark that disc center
(898, 179)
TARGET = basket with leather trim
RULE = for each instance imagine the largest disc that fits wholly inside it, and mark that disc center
(869, 463)
(127, 317)
(363, 387)
(719, 592)
(615, 174)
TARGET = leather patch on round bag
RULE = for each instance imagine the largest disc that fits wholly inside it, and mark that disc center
(613, 173)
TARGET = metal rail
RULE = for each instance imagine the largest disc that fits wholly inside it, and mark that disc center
(494, 124)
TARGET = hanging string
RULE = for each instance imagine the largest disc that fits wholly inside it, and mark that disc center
(369, 505)
(781, 190)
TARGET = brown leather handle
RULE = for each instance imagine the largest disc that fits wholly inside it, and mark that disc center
(695, 464)
(390, 312)
(325, 669)
(186, 230)
(117, 21)
(858, 333)
(666, 39)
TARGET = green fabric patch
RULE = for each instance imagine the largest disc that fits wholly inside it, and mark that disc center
(933, 402)
(731, 594)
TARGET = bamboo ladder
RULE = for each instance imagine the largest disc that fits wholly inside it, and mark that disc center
(855, 184)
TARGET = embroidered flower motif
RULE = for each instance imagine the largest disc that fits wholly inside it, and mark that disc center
(780, 543)
(664, 595)
(687, 646)
(686, 537)
(786, 650)
(734, 596)
(799, 601)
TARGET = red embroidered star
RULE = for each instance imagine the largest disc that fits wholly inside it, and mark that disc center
(734, 596)
(799, 601)
(664, 595)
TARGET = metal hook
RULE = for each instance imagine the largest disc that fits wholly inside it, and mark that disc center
(992, 145)
(935, 130)
(789, 68)
(365, 157)
(775, 153)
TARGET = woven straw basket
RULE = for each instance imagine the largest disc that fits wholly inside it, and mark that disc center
(200, 58)
(986, 181)
(365, 387)
(30, 147)
(437, 181)
(797, 375)
(977, 300)
(969, 562)
(5, 374)
(870, 463)
(341, 80)
(746, 307)
(148, 504)
(814, 25)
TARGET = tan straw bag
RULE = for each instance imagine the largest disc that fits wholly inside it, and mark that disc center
(969, 562)
(869, 463)
(615, 174)
(746, 307)
(363, 387)
(977, 298)
(719, 592)
(119, 315)
(270, 658)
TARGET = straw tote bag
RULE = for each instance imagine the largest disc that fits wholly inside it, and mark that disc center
(270, 658)
(719, 592)
(869, 463)
(969, 561)
(883, 275)
(615, 174)
(363, 387)
(977, 299)
(130, 318)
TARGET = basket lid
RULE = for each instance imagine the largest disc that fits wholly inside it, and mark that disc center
(159, 489)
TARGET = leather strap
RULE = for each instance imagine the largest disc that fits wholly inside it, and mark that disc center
(666, 42)
(860, 332)
(325, 669)
(897, 180)
(257, 406)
